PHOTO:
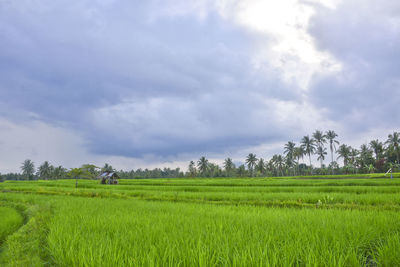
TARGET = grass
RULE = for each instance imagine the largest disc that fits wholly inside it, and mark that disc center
(10, 221)
(205, 222)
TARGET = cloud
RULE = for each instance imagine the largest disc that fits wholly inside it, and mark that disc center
(169, 80)
(363, 36)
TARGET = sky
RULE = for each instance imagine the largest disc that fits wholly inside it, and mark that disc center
(144, 84)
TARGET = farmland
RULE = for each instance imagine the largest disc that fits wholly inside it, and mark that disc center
(202, 222)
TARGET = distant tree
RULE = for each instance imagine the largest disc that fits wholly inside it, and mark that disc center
(365, 156)
(289, 150)
(241, 171)
(353, 158)
(321, 153)
(260, 167)
(344, 152)
(202, 164)
(78, 173)
(213, 170)
(90, 170)
(331, 136)
(308, 145)
(192, 169)
(393, 142)
(319, 137)
(229, 166)
(377, 147)
(59, 172)
(28, 169)
(298, 154)
(251, 161)
(107, 168)
(278, 163)
(45, 170)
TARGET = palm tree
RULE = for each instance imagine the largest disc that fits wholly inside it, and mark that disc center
(202, 163)
(394, 142)
(319, 138)
(107, 168)
(377, 147)
(44, 170)
(321, 152)
(192, 169)
(344, 152)
(277, 161)
(289, 152)
(308, 145)
(365, 155)
(353, 157)
(298, 154)
(331, 135)
(241, 170)
(229, 166)
(261, 166)
(28, 168)
(59, 172)
(289, 149)
(251, 161)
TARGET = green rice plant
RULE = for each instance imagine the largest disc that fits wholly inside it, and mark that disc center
(10, 221)
(205, 222)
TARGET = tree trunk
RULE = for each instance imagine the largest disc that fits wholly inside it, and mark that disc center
(332, 159)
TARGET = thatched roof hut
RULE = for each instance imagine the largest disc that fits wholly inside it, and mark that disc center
(108, 178)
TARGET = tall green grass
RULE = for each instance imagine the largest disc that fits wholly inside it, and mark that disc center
(100, 232)
(10, 221)
(205, 222)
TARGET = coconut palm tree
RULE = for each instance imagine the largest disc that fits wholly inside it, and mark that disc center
(308, 145)
(278, 162)
(229, 166)
(319, 137)
(241, 170)
(261, 166)
(192, 169)
(393, 141)
(289, 149)
(28, 169)
(59, 172)
(330, 136)
(377, 147)
(107, 168)
(366, 157)
(344, 153)
(45, 170)
(202, 164)
(298, 154)
(321, 152)
(289, 152)
(251, 161)
(353, 158)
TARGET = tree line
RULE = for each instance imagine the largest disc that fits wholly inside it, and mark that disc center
(375, 156)
(46, 171)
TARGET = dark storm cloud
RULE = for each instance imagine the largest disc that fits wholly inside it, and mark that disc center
(365, 37)
(133, 81)
(134, 84)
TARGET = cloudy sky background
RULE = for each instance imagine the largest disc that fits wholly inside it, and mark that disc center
(158, 83)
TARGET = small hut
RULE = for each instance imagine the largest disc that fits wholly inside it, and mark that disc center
(108, 178)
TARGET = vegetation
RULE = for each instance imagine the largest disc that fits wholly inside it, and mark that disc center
(373, 157)
(10, 220)
(340, 221)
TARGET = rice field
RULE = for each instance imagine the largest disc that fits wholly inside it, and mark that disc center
(203, 222)
(10, 221)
